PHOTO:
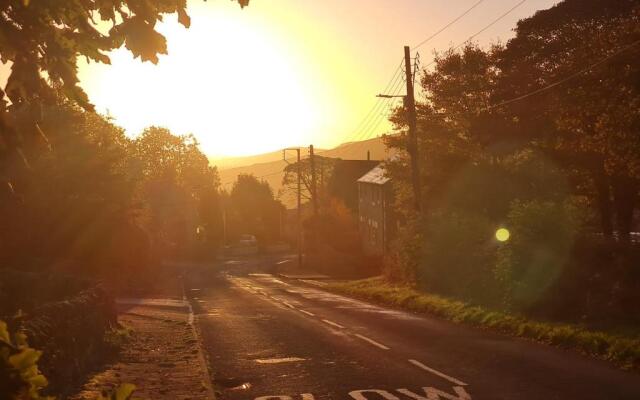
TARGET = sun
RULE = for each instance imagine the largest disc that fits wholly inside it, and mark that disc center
(227, 79)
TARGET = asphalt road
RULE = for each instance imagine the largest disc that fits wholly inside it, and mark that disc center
(267, 338)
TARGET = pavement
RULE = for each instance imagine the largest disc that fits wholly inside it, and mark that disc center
(162, 356)
(268, 338)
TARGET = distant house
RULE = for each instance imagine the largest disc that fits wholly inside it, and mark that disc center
(375, 199)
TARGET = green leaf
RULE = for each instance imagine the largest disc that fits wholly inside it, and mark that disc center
(124, 391)
(4, 333)
(39, 381)
(25, 359)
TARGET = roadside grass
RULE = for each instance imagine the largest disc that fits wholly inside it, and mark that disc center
(620, 350)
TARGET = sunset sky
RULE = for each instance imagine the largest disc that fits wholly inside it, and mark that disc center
(283, 72)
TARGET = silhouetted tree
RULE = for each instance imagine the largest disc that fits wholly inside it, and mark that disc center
(252, 209)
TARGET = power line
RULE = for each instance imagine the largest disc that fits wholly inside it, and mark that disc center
(564, 80)
(448, 25)
(492, 23)
(399, 69)
(371, 113)
(395, 83)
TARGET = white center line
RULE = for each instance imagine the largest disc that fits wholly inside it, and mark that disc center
(308, 313)
(373, 342)
(288, 304)
(337, 325)
(438, 373)
(279, 360)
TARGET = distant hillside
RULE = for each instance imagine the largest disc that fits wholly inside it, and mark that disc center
(235, 162)
(269, 166)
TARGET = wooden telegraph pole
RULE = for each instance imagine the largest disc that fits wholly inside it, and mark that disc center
(299, 173)
(314, 188)
(412, 139)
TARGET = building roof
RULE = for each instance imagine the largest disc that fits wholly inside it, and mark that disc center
(377, 176)
(341, 181)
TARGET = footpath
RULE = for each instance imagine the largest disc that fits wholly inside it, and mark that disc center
(160, 354)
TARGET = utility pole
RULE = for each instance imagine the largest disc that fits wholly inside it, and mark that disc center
(409, 101)
(299, 173)
(412, 139)
(314, 189)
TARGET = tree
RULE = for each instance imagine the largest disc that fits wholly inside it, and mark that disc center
(324, 168)
(177, 186)
(594, 114)
(75, 195)
(45, 38)
(49, 36)
(252, 209)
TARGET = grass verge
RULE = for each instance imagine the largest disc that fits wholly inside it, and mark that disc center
(622, 351)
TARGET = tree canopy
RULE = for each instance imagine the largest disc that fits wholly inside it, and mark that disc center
(42, 41)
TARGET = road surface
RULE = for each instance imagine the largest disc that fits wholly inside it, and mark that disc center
(268, 339)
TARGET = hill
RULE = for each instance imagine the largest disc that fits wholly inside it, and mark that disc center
(269, 166)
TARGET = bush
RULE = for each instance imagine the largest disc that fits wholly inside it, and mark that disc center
(24, 291)
(71, 334)
(20, 377)
(539, 249)
(458, 255)
(401, 264)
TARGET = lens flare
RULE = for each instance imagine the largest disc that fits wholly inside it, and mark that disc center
(503, 234)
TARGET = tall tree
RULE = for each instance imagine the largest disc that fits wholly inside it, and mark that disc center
(176, 184)
(45, 38)
(253, 209)
(75, 195)
(591, 48)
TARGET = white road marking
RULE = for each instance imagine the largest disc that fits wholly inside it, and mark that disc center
(438, 373)
(315, 283)
(279, 360)
(373, 342)
(337, 325)
(359, 394)
(433, 393)
(364, 394)
(288, 304)
(307, 312)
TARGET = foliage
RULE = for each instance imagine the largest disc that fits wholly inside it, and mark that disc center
(508, 135)
(621, 350)
(75, 194)
(457, 257)
(253, 209)
(542, 238)
(590, 121)
(42, 42)
(333, 243)
(122, 392)
(20, 377)
(177, 188)
(71, 333)
(48, 37)
(324, 168)
(23, 291)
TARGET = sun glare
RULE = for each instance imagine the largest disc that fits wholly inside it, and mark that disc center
(227, 80)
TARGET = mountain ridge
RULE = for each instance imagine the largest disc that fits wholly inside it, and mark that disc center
(272, 166)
